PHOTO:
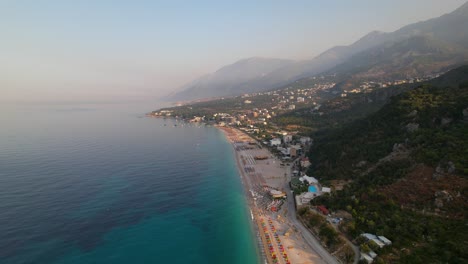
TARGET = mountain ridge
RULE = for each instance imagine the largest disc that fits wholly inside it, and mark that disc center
(450, 28)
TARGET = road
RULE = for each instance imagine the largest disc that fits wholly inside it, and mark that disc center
(305, 233)
(245, 163)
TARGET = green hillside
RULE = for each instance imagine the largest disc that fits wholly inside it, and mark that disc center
(406, 169)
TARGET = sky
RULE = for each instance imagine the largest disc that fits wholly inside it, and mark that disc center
(105, 51)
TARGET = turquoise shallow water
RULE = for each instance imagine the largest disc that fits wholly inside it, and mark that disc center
(94, 184)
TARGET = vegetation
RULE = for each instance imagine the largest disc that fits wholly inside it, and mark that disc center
(327, 234)
(402, 152)
(338, 153)
(416, 143)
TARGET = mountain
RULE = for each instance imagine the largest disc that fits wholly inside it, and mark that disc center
(424, 47)
(329, 58)
(451, 27)
(225, 81)
(415, 56)
(404, 171)
(231, 79)
(339, 111)
(419, 49)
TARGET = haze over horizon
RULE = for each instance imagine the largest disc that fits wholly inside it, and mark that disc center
(114, 51)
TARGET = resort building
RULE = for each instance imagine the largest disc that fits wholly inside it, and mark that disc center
(310, 180)
(305, 163)
(287, 138)
(292, 152)
(305, 140)
(275, 142)
(306, 197)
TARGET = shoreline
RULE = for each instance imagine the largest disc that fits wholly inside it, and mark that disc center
(256, 234)
(289, 245)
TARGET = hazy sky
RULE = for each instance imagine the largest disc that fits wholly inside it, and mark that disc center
(102, 50)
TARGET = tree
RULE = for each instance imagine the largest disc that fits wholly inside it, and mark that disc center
(365, 248)
(348, 254)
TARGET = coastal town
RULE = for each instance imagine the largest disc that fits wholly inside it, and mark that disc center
(273, 160)
(273, 164)
(265, 177)
(262, 114)
(234, 132)
(278, 190)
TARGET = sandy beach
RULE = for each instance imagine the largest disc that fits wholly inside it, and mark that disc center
(282, 236)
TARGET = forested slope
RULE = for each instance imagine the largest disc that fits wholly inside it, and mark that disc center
(406, 168)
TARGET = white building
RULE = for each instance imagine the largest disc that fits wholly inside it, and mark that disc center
(374, 239)
(385, 240)
(366, 257)
(305, 140)
(291, 107)
(275, 142)
(287, 138)
(310, 180)
(326, 190)
(306, 197)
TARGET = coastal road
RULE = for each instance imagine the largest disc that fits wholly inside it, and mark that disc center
(236, 136)
(305, 233)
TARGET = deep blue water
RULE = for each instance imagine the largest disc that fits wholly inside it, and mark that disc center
(100, 184)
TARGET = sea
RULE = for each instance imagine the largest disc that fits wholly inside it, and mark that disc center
(102, 183)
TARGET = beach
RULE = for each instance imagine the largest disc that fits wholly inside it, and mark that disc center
(283, 238)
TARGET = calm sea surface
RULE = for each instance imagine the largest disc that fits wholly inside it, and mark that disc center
(101, 184)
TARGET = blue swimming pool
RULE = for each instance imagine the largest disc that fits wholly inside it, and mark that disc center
(312, 189)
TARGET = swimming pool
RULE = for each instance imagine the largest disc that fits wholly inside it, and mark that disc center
(312, 189)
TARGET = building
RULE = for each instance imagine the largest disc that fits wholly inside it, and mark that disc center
(297, 150)
(306, 197)
(305, 163)
(366, 257)
(326, 190)
(385, 240)
(323, 209)
(230, 120)
(285, 152)
(310, 180)
(247, 102)
(374, 239)
(277, 194)
(300, 99)
(275, 142)
(293, 152)
(305, 140)
(291, 107)
(287, 138)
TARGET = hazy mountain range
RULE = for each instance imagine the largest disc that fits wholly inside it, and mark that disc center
(417, 49)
